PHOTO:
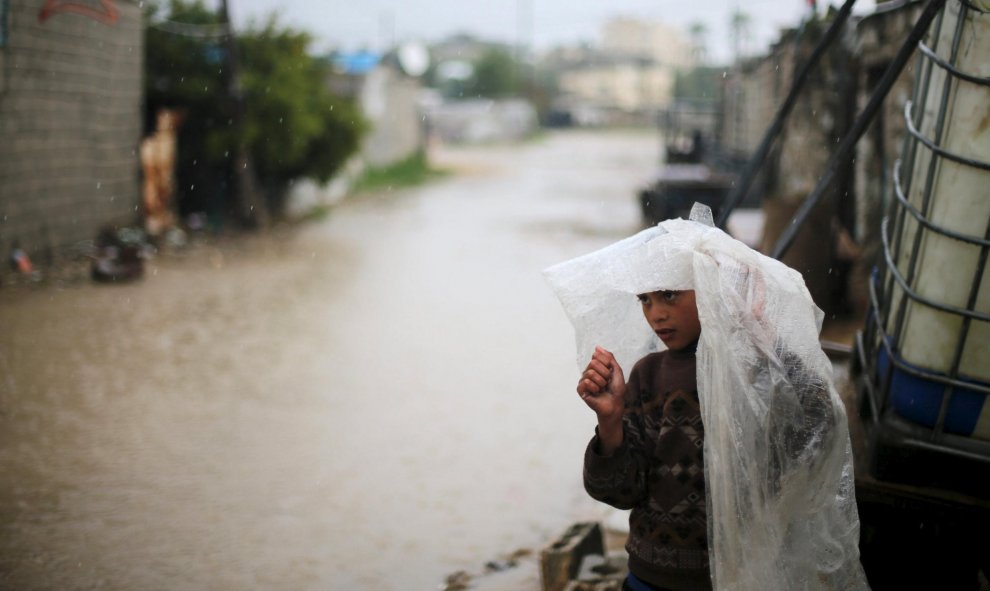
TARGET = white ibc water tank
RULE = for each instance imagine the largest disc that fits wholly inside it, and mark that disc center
(953, 113)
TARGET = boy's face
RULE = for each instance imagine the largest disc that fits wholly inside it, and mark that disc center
(673, 315)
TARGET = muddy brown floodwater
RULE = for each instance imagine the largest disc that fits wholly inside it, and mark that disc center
(371, 401)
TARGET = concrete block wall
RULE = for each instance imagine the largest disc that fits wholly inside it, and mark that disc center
(879, 37)
(836, 92)
(70, 121)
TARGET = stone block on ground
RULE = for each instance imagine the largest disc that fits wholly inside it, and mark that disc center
(560, 562)
(594, 586)
(604, 569)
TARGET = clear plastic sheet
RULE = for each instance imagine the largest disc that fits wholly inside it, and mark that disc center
(778, 462)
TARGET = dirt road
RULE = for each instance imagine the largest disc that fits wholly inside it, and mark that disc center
(371, 401)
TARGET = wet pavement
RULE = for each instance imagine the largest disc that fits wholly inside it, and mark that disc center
(371, 401)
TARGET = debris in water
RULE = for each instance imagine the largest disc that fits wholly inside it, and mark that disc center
(457, 582)
(20, 261)
(120, 255)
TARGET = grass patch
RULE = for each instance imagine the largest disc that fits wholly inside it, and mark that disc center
(317, 214)
(414, 170)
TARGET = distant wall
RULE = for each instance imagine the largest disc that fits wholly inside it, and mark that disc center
(880, 36)
(390, 102)
(70, 120)
(482, 120)
(836, 91)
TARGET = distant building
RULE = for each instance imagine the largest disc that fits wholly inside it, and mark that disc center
(464, 48)
(453, 117)
(70, 120)
(482, 120)
(630, 85)
(656, 42)
(389, 100)
(628, 77)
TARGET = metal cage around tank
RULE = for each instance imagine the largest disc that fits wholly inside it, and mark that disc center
(924, 351)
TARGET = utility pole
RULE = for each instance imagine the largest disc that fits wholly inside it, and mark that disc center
(250, 204)
(522, 74)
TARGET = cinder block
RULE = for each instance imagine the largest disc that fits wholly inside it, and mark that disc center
(594, 586)
(604, 569)
(560, 562)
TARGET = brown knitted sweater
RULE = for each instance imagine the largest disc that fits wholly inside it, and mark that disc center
(658, 472)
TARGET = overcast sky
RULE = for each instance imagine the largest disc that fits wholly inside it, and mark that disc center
(377, 24)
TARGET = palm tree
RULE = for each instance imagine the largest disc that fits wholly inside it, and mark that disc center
(740, 25)
(699, 41)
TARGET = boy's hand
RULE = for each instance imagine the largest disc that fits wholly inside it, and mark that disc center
(603, 388)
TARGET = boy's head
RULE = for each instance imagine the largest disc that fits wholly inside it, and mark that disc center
(673, 316)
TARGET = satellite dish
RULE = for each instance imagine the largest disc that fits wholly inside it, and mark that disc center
(414, 59)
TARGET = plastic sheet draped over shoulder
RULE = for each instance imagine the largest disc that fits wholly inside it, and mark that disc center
(778, 462)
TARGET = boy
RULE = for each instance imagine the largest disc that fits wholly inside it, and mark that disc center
(647, 451)
(730, 447)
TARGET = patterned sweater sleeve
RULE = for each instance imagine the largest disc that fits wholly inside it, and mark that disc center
(619, 479)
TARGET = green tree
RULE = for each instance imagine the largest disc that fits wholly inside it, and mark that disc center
(699, 41)
(701, 83)
(740, 26)
(294, 127)
(496, 74)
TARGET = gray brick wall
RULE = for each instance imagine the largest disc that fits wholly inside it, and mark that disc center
(70, 124)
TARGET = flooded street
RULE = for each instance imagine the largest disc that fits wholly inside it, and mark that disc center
(370, 401)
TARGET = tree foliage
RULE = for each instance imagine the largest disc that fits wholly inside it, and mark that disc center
(293, 126)
(701, 83)
(497, 74)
